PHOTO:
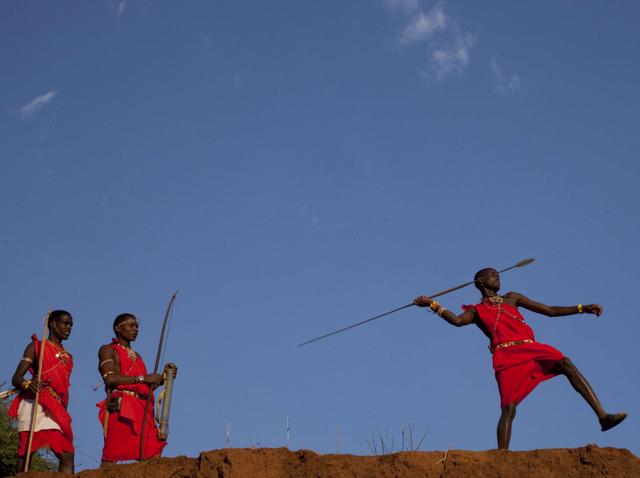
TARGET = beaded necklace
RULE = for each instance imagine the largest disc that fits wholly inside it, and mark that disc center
(497, 302)
(61, 354)
(130, 352)
(132, 355)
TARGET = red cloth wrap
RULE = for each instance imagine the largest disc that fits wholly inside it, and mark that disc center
(56, 372)
(123, 428)
(53, 439)
(518, 368)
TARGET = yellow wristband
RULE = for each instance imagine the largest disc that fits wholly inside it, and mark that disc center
(580, 309)
(25, 384)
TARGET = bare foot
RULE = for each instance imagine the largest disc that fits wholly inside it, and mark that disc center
(611, 420)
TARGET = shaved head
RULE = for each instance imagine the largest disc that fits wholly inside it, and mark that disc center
(482, 273)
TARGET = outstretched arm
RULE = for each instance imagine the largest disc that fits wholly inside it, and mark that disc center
(466, 318)
(554, 311)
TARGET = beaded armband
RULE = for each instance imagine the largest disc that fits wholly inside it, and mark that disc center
(436, 308)
(105, 361)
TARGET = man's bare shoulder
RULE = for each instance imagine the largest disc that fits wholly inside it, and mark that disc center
(105, 349)
(513, 297)
(29, 350)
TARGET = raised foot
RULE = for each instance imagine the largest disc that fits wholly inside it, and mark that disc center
(611, 420)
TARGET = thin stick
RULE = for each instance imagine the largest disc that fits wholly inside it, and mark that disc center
(288, 430)
(522, 263)
(105, 424)
(34, 411)
(8, 393)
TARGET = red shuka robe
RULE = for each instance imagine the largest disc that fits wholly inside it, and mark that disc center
(57, 365)
(122, 440)
(518, 368)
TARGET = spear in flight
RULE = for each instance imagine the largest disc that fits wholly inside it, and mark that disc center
(522, 263)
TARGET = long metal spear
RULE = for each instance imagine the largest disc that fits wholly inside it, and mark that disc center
(522, 263)
(34, 410)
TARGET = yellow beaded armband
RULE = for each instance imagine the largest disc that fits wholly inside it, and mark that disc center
(580, 309)
(437, 308)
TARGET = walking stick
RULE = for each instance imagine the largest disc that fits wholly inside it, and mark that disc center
(522, 263)
(34, 411)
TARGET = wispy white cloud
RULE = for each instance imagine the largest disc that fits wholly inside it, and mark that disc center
(448, 48)
(504, 85)
(120, 6)
(37, 103)
(423, 25)
(452, 56)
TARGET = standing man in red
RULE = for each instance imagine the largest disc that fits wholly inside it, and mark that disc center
(520, 363)
(53, 422)
(128, 386)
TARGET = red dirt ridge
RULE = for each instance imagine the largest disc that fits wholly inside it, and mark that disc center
(588, 461)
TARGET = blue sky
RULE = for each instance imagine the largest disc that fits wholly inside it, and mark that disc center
(293, 167)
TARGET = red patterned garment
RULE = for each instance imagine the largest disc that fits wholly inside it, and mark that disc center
(57, 365)
(520, 363)
(122, 437)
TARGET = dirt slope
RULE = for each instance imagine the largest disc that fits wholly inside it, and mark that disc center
(589, 461)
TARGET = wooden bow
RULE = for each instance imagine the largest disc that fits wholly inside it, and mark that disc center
(155, 369)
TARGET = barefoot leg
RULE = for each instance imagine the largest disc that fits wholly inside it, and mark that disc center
(504, 426)
(66, 463)
(579, 383)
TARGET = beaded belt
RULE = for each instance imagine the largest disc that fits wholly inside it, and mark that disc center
(504, 345)
(130, 393)
(53, 393)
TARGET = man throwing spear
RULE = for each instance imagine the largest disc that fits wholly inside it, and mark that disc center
(52, 427)
(520, 363)
(128, 387)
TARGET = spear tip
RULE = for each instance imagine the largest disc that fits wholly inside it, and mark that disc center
(525, 262)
